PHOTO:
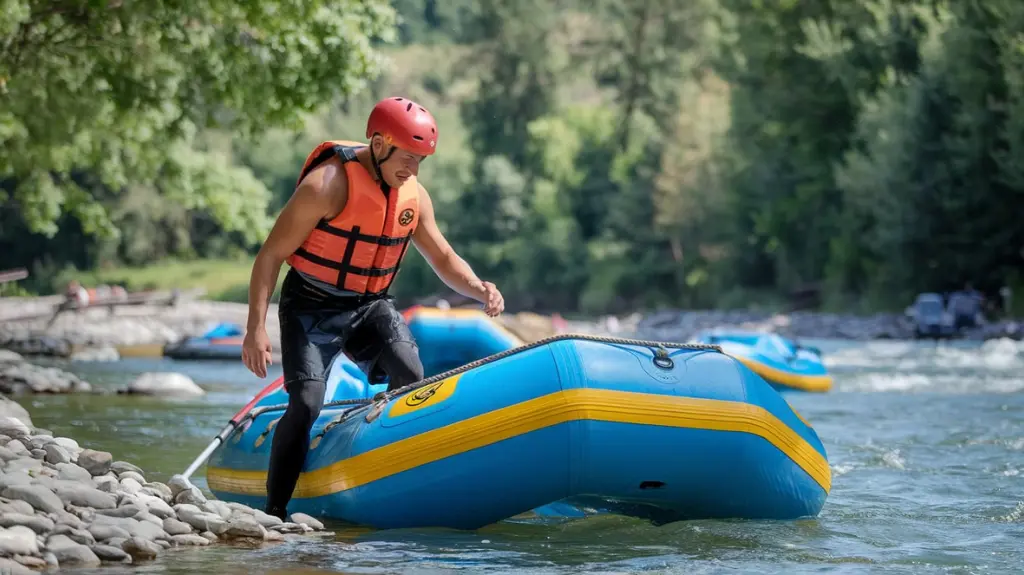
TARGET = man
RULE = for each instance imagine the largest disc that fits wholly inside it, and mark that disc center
(344, 232)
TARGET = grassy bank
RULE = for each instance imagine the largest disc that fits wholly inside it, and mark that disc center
(223, 279)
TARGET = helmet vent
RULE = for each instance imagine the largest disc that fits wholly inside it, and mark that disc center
(417, 138)
(408, 107)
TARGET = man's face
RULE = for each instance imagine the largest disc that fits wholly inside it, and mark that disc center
(399, 167)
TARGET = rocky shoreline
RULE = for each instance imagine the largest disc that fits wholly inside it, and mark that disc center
(62, 505)
(95, 334)
(680, 325)
(98, 334)
(19, 376)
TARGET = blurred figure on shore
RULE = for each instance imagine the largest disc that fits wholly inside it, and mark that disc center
(965, 305)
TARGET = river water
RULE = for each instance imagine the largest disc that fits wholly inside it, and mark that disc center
(926, 445)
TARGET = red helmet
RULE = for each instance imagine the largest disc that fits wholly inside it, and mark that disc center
(408, 125)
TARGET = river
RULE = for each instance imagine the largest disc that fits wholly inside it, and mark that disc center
(926, 445)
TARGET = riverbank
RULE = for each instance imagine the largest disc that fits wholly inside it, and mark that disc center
(680, 325)
(99, 333)
(65, 505)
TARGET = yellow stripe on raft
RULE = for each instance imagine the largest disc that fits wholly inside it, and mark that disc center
(794, 380)
(521, 418)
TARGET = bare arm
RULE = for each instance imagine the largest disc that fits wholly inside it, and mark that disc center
(452, 269)
(310, 202)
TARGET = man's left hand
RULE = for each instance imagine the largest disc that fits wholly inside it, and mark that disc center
(494, 302)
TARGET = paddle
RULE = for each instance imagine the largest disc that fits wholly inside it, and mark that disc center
(230, 427)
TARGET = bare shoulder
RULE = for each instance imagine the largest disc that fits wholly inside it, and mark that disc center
(325, 186)
(426, 205)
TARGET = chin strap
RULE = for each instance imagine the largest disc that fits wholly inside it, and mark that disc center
(376, 163)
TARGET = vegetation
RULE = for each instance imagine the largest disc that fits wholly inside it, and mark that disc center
(593, 157)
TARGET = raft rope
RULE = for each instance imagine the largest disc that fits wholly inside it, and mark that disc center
(380, 400)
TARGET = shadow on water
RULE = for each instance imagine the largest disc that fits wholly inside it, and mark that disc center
(926, 445)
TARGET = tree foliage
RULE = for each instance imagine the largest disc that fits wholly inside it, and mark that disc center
(98, 96)
(598, 156)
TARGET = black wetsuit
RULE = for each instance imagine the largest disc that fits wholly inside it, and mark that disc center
(315, 327)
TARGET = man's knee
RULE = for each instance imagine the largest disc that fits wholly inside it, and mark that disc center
(403, 365)
(306, 399)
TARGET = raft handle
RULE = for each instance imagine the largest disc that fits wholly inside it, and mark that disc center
(661, 358)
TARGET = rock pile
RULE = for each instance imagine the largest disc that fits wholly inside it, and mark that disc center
(17, 376)
(62, 505)
(101, 329)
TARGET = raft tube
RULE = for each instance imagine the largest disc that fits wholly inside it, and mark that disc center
(654, 430)
(780, 361)
(223, 341)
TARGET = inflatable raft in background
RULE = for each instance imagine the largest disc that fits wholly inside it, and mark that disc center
(223, 341)
(654, 430)
(781, 362)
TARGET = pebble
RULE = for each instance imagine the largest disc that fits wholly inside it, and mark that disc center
(13, 427)
(120, 467)
(12, 567)
(85, 496)
(62, 505)
(111, 554)
(189, 539)
(141, 548)
(18, 540)
(159, 489)
(72, 472)
(77, 535)
(16, 506)
(102, 532)
(17, 448)
(129, 485)
(40, 498)
(128, 474)
(36, 523)
(95, 462)
(245, 526)
(29, 561)
(56, 454)
(174, 526)
(191, 495)
(308, 520)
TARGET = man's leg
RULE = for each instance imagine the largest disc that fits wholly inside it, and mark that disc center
(291, 442)
(382, 342)
(401, 361)
(305, 353)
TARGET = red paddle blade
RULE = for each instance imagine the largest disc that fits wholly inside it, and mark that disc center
(266, 391)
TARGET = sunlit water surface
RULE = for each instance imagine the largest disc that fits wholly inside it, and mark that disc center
(926, 445)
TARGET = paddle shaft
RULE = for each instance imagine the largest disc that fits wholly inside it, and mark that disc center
(230, 427)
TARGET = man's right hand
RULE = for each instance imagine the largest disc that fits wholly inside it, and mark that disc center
(256, 351)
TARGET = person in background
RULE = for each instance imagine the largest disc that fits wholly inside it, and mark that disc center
(965, 305)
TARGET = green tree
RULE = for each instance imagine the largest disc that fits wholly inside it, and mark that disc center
(97, 96)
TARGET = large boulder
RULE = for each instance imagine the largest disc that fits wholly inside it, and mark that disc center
(168, 384)
(11, 408)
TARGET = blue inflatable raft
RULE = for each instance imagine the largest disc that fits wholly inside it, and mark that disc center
(780, 361)
(223, 341)
(654, 430)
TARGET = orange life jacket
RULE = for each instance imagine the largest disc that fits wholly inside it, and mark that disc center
(361, 249)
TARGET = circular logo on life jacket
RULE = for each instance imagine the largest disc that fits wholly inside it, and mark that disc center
(406, 217)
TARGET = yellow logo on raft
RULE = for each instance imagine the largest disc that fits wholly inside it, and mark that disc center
(432, 394)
